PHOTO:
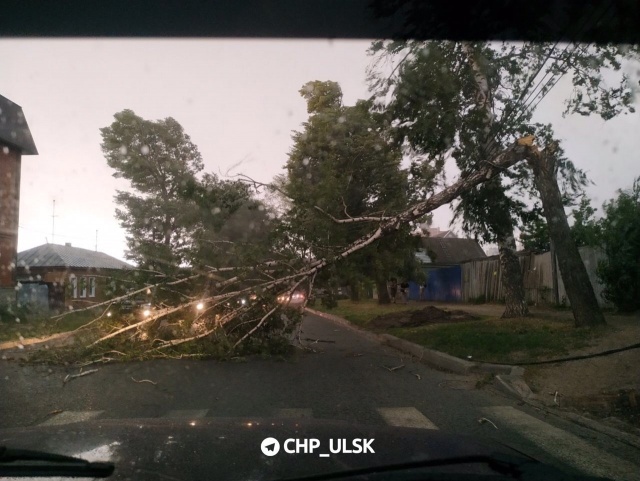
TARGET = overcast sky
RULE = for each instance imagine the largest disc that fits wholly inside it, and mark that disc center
(237, 99)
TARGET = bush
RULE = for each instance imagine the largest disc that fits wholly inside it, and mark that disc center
(481, 299)
(11, 312)
(329, 300)
(620, 271)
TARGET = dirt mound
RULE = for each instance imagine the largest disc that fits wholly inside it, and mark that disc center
(422, 317)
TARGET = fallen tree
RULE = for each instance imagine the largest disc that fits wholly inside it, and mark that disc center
(224, 310)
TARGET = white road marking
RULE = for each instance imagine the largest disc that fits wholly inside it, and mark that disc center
(294, 413)
(562, 445)
(186, 413)
(406, 417)
(69, 417)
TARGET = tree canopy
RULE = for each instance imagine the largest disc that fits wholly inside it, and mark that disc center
(620, 235)
(342, 165)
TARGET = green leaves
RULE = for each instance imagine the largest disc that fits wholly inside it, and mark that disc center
(160, 162)
(620, 236)
(343, 163)
(431, 95)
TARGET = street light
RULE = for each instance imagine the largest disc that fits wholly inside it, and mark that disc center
(200, 306)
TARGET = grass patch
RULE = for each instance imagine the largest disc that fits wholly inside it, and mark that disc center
(361, 312)
(486, 339)
(503, 340)
(41, 327)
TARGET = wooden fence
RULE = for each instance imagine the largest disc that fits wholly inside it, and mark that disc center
(482, 279)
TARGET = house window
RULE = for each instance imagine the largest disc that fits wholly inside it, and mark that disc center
(74, 286)
(92, 287)
(83, 287)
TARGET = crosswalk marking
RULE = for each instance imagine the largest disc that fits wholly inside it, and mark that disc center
(408, 417)
(562, 444)
(69, 417)
(297, 413)
(186, 413)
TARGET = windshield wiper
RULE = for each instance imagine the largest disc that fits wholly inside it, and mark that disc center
(515, 468)
(22, 462)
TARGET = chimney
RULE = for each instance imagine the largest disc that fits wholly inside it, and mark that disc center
(67, 244)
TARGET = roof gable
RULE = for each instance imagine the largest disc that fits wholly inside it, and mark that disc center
(451, 250)
(55, 255)
(14, 130)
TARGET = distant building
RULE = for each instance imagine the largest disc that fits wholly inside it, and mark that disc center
(445, 234)
(15, 141)
(450, 251)
(440, 258)
(56, 276)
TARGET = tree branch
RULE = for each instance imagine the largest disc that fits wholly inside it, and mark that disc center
(352, 220)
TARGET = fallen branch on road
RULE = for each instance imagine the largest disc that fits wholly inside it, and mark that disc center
(144, 380)
(316, 341)
(485, 420)
(74, 376)
(391, 369)
(102, 360)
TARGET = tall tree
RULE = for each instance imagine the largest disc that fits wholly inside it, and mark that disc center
(342, 165)
(584, 303)
(229, 225)
(535, 235)
(160, 161)
(463, 101)
(620, 234)
(586, 229)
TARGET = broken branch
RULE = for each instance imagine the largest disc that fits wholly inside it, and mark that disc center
(143, 380)
(69, 377)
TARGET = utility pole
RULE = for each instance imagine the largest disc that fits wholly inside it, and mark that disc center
(53, 222)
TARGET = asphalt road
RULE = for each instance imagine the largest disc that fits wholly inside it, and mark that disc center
(342, 377)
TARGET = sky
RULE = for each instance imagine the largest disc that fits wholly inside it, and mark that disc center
(239, 102)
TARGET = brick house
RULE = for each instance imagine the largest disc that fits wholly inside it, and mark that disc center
(73, 277)
(15, 141)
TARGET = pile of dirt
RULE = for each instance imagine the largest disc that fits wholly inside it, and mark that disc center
(422, 317)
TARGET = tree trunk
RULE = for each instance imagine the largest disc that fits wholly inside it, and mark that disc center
(516, 304)
(383, 292)
(584, 303)
(354, 288)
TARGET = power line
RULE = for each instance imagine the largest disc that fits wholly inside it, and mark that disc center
(528, 104)
(523, 105)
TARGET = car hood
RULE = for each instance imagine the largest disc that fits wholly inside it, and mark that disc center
(230, 449)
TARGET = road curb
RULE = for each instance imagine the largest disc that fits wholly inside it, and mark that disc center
(507, 380)
(431, 357)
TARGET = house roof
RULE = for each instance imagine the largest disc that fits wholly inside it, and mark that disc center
(436, 232)
(55, 255)
(450, 250)
(14, 130)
